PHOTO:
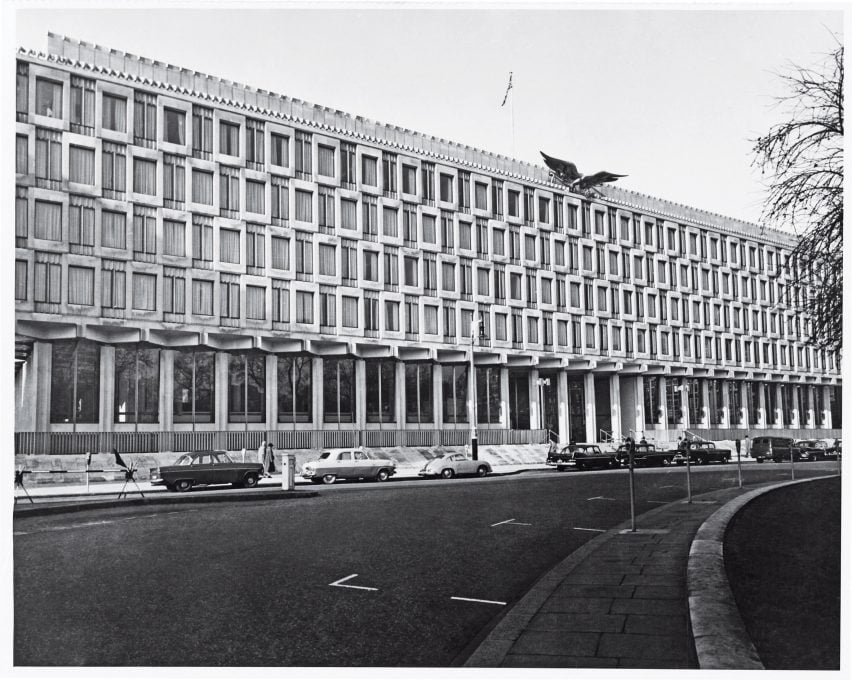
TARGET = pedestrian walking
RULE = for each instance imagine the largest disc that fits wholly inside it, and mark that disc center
(261, 457)
(269, 462)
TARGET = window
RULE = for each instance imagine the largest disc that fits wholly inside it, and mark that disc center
(371, 265)
(144, 232)
(144, 176)
(280, 302)
(338, 390)
(254, 143)
(82, 105)
(497, 199)
(369, 167)
(409, 179)
(482, 282)
(229, 296)
(247, 388)
(194, 388)
(430, 318)
(544, 209)
(347, 165)
(137, 384)
(256, 247)
(389, 222)
(48, 158)
(532, 330)
(229, 191)
(48, 98)
(447, 231)
(202, 297)
(465, 235)
(304, 254)
(391, 262)
(389, 174)
(325, 160)
(448, 277)
(480, 196)
(391, 317)
(174, 122)
(381, 399)
(145, 119)
(144, 292)
(202, 133)
(280, 200)
(81, 162)
(304, 166)
(514, 200)
(48, 220)
(304, 206)
(255, 195)
(499, 241)
(429, 229)
(202, 241)
(81, 223)
(348, 214)
(202, 187)
(21, 267)
(280, 253)
(446, 188)
(349, 262)
(174, 238)
(304, 307)
(327, 307)
(427, 182)
(412, 316)
(419, 403)
(81, 285)
(48, 278)
(22, 227)
(410, 274)
(22, 161)
(229, 138)
(75, 376)
(349, 306)
(327, 259)
(529, 205)
(295, 389)
(174, 181)
(488, 395)
(280, 149)
(113, 229)
(409, 225)
(22, 91)
(454, 389)
(174, 290)
(256, 302)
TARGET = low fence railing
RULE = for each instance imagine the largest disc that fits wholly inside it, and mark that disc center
(65, 443)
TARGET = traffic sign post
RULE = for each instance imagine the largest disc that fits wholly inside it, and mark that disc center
(631, 450)
(739, 464)
(688, 474)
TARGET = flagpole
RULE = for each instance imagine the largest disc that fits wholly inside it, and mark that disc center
(513, 126)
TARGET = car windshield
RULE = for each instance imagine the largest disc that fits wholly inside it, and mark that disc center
(324, 455)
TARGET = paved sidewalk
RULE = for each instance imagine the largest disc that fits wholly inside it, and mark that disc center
(620, 601)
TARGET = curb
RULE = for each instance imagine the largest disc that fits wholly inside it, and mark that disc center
(720, 637)
(495, 644)
(61, 507)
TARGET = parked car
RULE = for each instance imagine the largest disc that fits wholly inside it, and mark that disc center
(815, 449)
(701, 453)
(645, 455)
(837, 448)
(448, 465)
(774, 448)
(201, 468)
(582, 457)
(337, 464)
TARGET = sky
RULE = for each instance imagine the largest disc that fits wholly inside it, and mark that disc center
(670, 97)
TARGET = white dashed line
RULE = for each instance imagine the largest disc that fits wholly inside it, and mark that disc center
(470, 599)
(503, 522)
(660, 502)
(83, 525)
(587, 529)
(339, 583)
(600, 498)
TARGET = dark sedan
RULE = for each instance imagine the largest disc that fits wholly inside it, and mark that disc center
(201, 468)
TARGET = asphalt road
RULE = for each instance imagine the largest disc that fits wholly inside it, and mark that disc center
(406, 573)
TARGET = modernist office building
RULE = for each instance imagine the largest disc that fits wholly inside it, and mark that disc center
(195, 257)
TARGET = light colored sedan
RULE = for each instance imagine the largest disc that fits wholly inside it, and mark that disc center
(448, 465)
(337, 464)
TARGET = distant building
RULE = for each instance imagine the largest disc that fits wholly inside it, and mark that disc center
(197, 260)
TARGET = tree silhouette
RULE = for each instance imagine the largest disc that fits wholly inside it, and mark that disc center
(804, 158)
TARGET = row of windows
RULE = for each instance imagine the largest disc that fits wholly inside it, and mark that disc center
(75, 390)
(456, 189)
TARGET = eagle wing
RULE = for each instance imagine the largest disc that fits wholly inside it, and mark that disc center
(564, 170)
(601, 177)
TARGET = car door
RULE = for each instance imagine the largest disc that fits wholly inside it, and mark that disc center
(345, 466)
(363, 465)
(202, 468)
(224, 469)
(463, 464)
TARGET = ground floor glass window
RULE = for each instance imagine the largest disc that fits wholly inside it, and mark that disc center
(75, 382)
(295, 389)
(380, 385)
(418, 394)
(194, 387)
(137, 384)
(338, 379)
(246, 388)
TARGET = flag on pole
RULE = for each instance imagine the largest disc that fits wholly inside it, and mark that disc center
(508, 87)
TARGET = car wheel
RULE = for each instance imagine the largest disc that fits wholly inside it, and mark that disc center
(666, 461)
(329, 479)
(183, 485)
(481, 471)
(383, 475)
(250, 480)
(448, 473)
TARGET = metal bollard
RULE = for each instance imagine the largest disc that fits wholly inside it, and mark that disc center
(288, 474)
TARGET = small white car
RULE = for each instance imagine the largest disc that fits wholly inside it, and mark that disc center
(448, 465)
(335, 464)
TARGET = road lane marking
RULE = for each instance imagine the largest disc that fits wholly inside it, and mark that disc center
(470, 599)
(339, 583)
(586, 529)
(83, 525)
(600, 498)
(669, 486)
(503, 522)
(660, 502)
(512, 521)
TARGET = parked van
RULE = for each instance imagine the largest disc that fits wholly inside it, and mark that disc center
(781, 447)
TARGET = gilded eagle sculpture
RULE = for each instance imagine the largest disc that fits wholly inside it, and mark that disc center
(567, 173)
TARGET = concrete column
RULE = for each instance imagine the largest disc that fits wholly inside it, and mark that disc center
(32, 410)
(663, 383)
(43, 372)
(591, 415)
(826, 407)
(639, 411)
(562, 398)
(778, 417)
(745, 406)
(222, 360)
(107, 405)
(810, 419)
(317, 393)
(505, 419)
(615, 405)
(361, 388)
(271, 392)
(399, 401)
(726, 405)
(535, 406)
(438, 393)
(705, 401)
(683, 396)
(760, 415)
(167, 389)
(795, 416)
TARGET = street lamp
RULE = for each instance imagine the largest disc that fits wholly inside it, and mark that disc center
(477, 328)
